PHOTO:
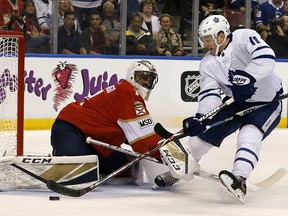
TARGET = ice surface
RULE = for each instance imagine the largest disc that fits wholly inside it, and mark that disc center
(198, 197)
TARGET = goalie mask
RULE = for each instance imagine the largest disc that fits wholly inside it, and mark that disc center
(143, 76)
(213, 25)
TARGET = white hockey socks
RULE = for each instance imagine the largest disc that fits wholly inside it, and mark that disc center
(198, 147)
(179, 160)
(249, 144)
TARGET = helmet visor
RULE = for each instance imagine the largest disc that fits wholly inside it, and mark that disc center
(146, 79)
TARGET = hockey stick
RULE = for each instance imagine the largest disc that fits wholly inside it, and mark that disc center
(89, 140)
(268, 182)
(10, 160)
(30, 173)
(161, 131)
(58, 188)
(200, 173)
(54, 186)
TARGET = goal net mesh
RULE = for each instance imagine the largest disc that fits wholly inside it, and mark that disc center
(9, 67)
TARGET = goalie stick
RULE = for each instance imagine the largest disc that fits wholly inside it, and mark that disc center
(265, 183)
(58, 188)
(10, 160)
(89, 140)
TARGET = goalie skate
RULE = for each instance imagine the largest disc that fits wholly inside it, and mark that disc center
(235, 185)
(165, 180)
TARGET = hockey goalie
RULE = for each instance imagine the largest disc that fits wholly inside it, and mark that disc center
(116, 115)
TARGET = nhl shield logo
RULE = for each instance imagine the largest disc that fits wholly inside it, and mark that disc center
(190, 85)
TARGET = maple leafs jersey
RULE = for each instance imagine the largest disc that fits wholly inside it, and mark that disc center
(246, 51)
(44, 13)
(117, 113)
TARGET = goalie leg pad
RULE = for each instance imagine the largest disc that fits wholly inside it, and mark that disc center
(179, 160)
(76, 171)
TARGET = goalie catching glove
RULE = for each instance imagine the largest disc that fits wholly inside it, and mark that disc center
(179, 160)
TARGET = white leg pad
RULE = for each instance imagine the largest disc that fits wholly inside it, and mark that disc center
(179, 160)
(74, 172)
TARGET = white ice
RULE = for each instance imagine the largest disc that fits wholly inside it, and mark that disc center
(197, 197)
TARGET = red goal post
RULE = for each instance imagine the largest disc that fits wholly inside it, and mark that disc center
(12, 54)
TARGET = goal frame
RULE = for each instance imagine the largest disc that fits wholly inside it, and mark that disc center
(20, 89)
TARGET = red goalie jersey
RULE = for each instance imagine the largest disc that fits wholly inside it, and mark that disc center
(117, 113)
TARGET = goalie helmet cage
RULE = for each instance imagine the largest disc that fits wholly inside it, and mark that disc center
(12, 52)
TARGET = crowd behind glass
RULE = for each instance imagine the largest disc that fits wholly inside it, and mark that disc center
(137, 27)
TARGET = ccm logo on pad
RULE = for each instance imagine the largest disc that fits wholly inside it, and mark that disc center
(145, 122)
(37, 160)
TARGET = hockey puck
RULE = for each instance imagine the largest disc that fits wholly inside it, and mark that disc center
(54, 198)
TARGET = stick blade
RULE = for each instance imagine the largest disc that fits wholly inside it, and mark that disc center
(274, 178)
(271, 180)
(60, 189)
(161, 131)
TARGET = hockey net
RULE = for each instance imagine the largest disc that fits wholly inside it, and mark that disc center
(12, 52)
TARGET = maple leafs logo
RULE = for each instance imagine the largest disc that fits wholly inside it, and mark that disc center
(63, 77)
(216, 19)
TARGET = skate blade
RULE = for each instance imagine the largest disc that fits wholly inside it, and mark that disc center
(227, 182)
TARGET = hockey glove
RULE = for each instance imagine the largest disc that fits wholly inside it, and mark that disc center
(242, 86)
(192, 126)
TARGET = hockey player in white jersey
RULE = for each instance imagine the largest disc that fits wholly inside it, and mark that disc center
(241, 65)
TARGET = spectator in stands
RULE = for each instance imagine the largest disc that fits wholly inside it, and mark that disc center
(261, 1)
(116, 4)
(36, 41)
(150, 21)
(44, 14)
(208, 7)
(68, 38)
(173, 8)
(240, 5)
(112, 24)
(83, 10)
(278, 37)
(269, 10)
(8, 9)
(139, 41)
(169, 43)
(133, 6)
(66, 5)
(286, 7)
(94, 39)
